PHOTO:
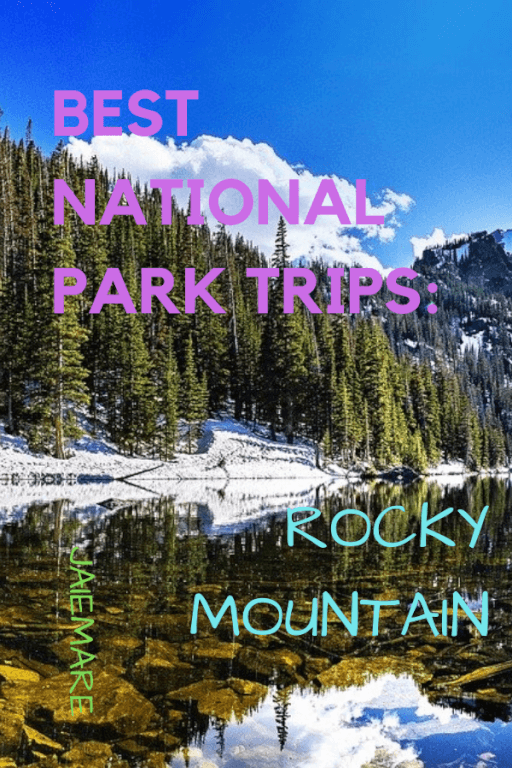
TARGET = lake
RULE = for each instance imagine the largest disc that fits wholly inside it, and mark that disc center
(164, 696)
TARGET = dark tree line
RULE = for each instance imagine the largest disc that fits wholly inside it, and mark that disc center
(346, 382)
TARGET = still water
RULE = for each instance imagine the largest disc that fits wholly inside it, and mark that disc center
(166, 697)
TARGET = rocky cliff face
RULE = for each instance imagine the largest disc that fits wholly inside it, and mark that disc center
(482, 260)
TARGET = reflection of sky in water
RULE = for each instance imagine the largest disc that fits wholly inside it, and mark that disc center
(343, 729)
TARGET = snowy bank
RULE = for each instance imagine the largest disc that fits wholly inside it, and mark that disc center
(226, 450)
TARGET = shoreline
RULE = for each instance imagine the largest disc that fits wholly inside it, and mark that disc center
(227, 451)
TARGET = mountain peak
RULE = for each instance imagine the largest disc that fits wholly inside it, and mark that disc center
(481, 259)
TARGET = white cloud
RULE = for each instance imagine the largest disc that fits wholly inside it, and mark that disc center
(438, 237)
(332, 729)
(402, 201)
(214, 159)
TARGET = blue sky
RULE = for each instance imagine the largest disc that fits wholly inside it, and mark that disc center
(411, 95)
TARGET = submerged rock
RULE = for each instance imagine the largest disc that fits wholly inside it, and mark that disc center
(39, 742)
(270, 663)
(130, 748)
(358, 670)
(161, 670)
(17, 676)
(38, 745)
(194, 691)
(384, 759)
(222, 704)
(11, 729)
(210, 649)
(155, 760)
(247, 687)
(118, 650)
(91, 754)
(482, 673)
(216, 700)
(314, 666)
(63, 650)
(117, 705)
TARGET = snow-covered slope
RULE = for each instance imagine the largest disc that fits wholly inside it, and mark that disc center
(227, 450)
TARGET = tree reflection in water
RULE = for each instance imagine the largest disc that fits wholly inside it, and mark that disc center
(151, 557)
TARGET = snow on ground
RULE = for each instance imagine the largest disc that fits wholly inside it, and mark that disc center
(234, 478)
(237, 474)
(227, 449)
(474, 342)
(448, 468)
(462, 251)
(256, 475)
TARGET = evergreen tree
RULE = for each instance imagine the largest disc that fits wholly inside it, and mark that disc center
(193, 395)
(57, 375)
(169, 404)
(281, 700)
(383, 389)
(280, 258)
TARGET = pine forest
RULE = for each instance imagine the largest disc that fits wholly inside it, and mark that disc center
(372, 388)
